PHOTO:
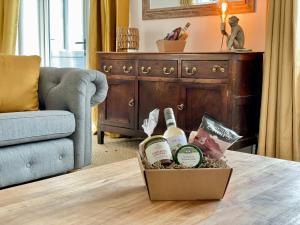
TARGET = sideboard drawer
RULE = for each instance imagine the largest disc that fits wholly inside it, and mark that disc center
(118, 67)
(155, 68)
(204, 69)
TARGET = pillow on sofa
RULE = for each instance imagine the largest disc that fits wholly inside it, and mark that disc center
(19, 77)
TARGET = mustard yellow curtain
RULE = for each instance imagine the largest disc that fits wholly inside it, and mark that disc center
(9, 13)
(105, 16)
(122, 13)
(280, 119)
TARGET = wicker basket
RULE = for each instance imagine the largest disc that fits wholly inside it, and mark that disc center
(127, 39)
(170, 46)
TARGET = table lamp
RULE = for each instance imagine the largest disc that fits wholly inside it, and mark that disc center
(223, 8)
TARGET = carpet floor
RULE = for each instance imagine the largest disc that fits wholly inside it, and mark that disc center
(113, 150)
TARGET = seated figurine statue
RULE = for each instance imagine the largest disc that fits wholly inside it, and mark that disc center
(236, 39)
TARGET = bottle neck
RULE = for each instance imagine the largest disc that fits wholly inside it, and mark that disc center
(171, 123)
(186, 27)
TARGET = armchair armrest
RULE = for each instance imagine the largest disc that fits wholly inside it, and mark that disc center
(74, 90)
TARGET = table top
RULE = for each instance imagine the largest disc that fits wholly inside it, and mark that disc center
(261, 191)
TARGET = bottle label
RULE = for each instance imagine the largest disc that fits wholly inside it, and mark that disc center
(189, 159)
(158, 151)
(176, 142)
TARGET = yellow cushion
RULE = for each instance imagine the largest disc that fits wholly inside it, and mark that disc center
(19, 77)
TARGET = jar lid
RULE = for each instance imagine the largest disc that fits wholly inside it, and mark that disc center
(189, 156)
(154, 139)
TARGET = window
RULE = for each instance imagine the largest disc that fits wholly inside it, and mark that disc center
(29, 34)
(54, 29)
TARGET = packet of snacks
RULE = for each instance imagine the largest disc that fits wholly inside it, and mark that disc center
(213, 138)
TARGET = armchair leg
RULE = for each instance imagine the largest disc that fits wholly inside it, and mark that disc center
(101, 137)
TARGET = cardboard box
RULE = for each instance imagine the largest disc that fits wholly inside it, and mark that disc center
(170, 46)
(186, 184)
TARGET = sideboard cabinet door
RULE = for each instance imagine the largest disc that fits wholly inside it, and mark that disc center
(119, 108)
(198, 99)
(157, 94)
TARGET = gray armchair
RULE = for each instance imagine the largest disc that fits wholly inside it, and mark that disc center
(57, 138)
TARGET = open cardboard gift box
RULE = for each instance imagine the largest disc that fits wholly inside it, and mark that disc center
(185, 184)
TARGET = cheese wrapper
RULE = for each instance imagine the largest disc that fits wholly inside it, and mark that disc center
(213, 138)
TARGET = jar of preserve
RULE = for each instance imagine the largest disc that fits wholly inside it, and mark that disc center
(157, 149)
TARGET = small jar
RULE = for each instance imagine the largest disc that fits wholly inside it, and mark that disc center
(157, 149)
(189, 155)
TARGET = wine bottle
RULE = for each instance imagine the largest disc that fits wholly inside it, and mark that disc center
(173, 35)
(179, 33)
(183, 35)
(174, 135)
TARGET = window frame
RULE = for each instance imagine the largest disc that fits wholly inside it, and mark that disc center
(44, 29)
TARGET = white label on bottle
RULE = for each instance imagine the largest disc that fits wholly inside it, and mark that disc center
(158, 151)
(176, 142)
(188, 159)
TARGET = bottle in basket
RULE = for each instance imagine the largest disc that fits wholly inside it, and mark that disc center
(175, 136)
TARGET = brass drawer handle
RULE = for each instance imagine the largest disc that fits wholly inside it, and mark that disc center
(107, 69)
(146, 70)
(189, 71)
(217, 68)
(168, 71)
(131, 103)
(127, 70)
(180, 107)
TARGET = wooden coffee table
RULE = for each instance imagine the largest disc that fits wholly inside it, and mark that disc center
(261, 191)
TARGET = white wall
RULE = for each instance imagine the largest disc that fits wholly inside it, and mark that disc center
(204, 33)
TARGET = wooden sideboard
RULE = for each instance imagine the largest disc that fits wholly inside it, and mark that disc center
(225, 85)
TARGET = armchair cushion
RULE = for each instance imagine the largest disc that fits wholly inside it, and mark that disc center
(19, 77)
(25, 127)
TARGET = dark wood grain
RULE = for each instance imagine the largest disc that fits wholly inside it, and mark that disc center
(203, 98)
(119, 107)
(118, 67)
(157, 68)
(160, 95)
(231, 95)
(204, 69)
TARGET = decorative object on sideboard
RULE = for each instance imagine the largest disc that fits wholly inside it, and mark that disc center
(223, 10)
(174, 41)
(127, 39)
(236, 39)
(186, 2)
(170, 46)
